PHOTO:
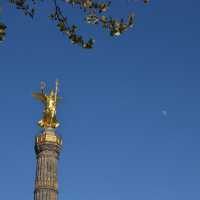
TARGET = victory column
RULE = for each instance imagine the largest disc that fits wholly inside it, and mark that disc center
(47, 147)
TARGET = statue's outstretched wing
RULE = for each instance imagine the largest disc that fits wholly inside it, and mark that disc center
(39, 96)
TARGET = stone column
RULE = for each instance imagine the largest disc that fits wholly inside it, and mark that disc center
(47, 148)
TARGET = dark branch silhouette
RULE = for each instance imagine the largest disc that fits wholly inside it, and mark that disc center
(93, 15)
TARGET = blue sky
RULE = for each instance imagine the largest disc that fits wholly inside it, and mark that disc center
(130, 110)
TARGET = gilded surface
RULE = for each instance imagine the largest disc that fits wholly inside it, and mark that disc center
(48, 138)
(50, 101)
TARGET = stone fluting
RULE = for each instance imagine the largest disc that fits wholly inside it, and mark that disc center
(47, 148)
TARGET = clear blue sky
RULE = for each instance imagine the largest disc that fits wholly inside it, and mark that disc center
(130, 117)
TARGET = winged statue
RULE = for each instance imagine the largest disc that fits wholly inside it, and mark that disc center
(50, 101)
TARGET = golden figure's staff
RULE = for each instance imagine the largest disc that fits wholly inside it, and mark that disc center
(56, 92)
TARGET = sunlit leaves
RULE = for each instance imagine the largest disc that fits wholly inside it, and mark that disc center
(70, 31)
(88, 5)
(116, 27)
(2, 31)
(94, 15)
(92, 19)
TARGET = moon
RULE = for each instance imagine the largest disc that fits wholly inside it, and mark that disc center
(164, 113)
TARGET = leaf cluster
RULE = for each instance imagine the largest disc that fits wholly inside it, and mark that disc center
(93, 11)
(2, 31)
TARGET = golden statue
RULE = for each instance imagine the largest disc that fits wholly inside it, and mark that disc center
(50, 102)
